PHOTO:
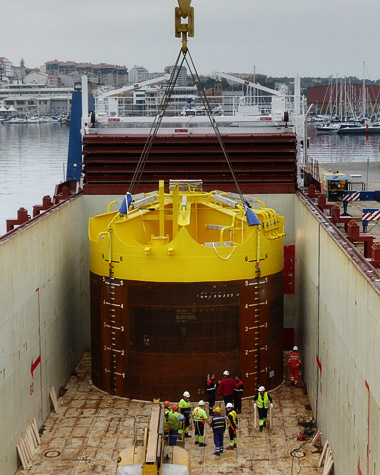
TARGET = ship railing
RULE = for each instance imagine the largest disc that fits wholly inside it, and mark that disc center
(227, 104)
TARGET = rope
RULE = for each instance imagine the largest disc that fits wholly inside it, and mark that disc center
(224, 258)
(156, 124)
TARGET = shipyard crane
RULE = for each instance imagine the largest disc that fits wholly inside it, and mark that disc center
(229, 77)
(103, 96)
(277, 104)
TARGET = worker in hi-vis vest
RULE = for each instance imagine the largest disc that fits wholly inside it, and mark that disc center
(185, 408)
(199, 419)
(166, 420)
(175, 424)
(232, 425)
(263, 399)
(294, 363)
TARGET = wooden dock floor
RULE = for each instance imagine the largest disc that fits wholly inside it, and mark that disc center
(90, 428)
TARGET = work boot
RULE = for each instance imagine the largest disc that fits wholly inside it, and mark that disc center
(187, 436)
(265, 423)
(216, 454)
(196, 442)
(201, 444)
(261, 428)
(229, 447)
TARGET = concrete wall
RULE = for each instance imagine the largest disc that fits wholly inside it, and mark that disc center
(50, 255)
(338, 312)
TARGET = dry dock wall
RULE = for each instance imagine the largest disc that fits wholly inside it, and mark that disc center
(338, 329)
(44, 318)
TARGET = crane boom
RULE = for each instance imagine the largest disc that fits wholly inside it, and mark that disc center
(218, 75)
(131, 87)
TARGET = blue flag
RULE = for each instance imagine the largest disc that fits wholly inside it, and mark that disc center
(252, 219)
(126, 204)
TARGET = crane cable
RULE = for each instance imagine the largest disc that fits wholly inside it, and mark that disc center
(214, 125)
(158, 119)
(156, 124)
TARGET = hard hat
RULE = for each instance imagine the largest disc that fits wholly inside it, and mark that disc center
(226, 373)
(186, 394)
(175, 407)
(201, 403)
(261, 388)
(229, 405)
(166, 403)
(295, 348)
(217, 410)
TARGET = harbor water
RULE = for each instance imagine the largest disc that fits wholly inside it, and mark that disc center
(33, 160)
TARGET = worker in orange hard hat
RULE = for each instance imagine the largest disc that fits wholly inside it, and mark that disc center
(294, 363)
(175, 424)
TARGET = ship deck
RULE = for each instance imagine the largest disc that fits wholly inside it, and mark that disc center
(91, 427)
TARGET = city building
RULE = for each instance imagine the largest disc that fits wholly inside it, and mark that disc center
(37, 99)
(6, 68)
(103, 73)
(182, 75)
(138, 74)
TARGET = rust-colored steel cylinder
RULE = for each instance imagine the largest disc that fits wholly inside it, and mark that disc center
(157, 340)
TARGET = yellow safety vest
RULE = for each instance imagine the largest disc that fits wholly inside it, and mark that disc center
(263, 402)
(199, 414)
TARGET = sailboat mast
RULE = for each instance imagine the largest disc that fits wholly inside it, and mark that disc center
(364, 93)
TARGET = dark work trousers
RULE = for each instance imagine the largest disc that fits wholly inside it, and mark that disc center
(262, 415)
(228, 399)
(237, 405)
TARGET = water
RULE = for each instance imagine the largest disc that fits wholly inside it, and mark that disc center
(33, 158)
(334, 148)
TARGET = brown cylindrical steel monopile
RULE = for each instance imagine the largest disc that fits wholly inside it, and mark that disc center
(154, 339)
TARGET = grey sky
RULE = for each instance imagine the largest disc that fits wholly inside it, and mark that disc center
(278, 37)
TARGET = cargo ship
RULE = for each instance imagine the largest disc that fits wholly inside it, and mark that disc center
(331, 292)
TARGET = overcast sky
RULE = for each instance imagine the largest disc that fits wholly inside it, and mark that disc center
(277, 37)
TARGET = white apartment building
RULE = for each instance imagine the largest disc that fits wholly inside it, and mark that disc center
(182, 75)
(6, 67)
(138, 74)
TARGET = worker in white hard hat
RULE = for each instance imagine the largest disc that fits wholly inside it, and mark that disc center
(227, 388)
(199, 419)
(232, 425)
(263, 399)
(294, 363)
(185, 408)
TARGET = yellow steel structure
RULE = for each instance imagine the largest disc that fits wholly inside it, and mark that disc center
(189, 236)
(149, 451)
(183, 29)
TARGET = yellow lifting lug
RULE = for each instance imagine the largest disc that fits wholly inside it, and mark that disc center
(183, 29)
